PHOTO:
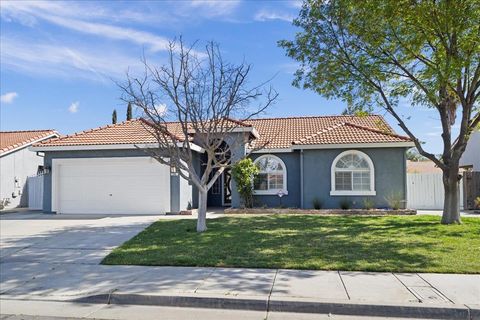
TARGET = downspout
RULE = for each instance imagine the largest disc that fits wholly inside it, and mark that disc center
(301, 178)
(405, 177)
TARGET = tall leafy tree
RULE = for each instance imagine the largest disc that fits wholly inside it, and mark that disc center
(129, 111)
(374, 53)
(114, 116)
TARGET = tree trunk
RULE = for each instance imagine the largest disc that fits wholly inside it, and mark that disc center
(202, 211)
(451, 207)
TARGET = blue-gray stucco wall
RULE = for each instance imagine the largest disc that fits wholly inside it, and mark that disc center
(292, 199)
(50, 155)
(390, 178)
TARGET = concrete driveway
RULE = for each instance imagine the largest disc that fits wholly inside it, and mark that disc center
(41, 253)
(38, 238)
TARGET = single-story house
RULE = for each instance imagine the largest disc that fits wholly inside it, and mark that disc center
(302, 160)
(422, 166)
(471, 157)
(17, 163)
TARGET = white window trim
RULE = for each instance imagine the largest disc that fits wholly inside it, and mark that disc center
(370, 192)
(273, 191)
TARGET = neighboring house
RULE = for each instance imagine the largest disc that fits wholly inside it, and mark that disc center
(471, 156)
(330, 158)
(17, 163)
(423, 166)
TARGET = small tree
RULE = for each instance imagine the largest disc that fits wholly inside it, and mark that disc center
(188, 104)
(380, 53)
(244, 173)
(129, 111)
(114, 116)
(414, 155)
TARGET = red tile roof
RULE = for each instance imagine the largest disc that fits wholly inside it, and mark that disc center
(273, 132)
(10, 140)
(127, 132)
(348, 133)
(278, 133)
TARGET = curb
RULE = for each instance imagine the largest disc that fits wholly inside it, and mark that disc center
(452, 312)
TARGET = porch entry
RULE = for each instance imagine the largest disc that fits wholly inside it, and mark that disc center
(220, 194)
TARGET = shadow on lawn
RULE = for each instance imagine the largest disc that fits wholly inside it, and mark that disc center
(291, 242)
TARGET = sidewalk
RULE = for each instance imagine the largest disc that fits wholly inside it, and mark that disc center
(441, 296)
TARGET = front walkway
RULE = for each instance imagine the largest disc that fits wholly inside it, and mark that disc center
(57, 258)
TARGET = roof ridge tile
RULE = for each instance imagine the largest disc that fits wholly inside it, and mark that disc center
(377, 131)
(25, 131)
(316, 134)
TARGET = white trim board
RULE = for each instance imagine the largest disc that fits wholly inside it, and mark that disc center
(193, 147)
(336, 146)
(355, 145)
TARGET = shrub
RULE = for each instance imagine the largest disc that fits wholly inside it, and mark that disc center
(345, 204)
(394, 200)
(244, 173)
(317, 203)
(368, 203)
(477, 203)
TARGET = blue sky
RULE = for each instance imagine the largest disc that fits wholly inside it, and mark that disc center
(60, 60)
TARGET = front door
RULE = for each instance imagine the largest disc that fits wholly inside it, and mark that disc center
(227, 188)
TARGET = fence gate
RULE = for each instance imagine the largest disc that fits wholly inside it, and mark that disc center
(471, 184)
(425, 191)
(35, 192)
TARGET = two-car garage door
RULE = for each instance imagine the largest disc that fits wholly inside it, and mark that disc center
(135, 185)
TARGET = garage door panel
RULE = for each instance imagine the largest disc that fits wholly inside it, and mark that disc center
(109, 186)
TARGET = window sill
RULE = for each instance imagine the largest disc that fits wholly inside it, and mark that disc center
(269, 192)
(353, 193)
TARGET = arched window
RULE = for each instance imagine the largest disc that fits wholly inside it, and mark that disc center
(353, 174)
(272, 177)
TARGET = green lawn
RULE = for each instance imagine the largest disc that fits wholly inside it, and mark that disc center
(400, 243)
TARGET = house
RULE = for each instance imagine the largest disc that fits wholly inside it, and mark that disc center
(17, 163)
(471, 157)
(422, 166)
(302, 159)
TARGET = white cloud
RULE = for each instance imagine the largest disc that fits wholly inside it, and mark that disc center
(289, 67)
(74, 107)
(267, 15)
(22, 55)
(8, 97)
(161, 108)
(214, 8)
(295, 3)
(61, 15)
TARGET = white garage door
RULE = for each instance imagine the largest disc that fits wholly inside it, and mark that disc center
(110, 186)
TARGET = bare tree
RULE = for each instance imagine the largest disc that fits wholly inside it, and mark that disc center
(192, 102)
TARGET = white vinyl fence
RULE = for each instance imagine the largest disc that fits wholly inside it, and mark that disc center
(35, 192)
(425, 191)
